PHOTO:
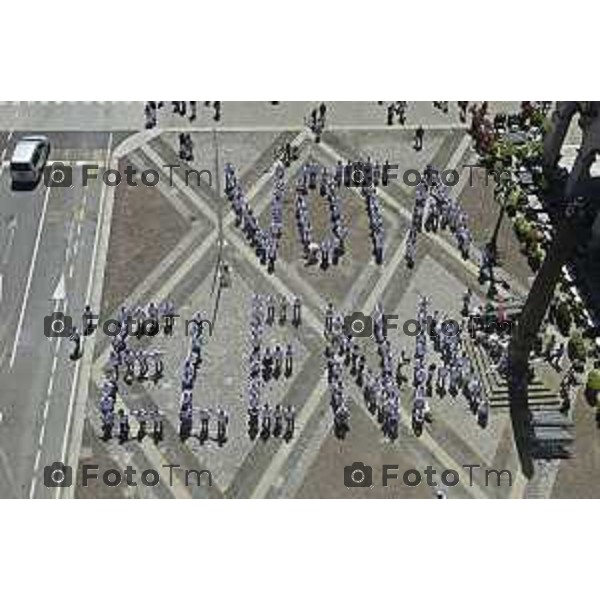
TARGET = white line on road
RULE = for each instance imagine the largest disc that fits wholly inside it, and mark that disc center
(36, 464)
(50, 385)
(32, 488)
(29, 278)
(42, 433)
(98, 231)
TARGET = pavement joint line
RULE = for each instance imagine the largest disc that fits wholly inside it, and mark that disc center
(301, 128)
(167, 191)
(178, 183)
(459, 153)
(135, 141)
(166, 265)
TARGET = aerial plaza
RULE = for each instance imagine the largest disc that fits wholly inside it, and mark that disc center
(288, 299)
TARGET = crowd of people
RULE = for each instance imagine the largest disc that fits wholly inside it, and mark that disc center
(436, 210)
(126, 363)
(441, 362)
(344, 356)
(316, 121)
(367, 175)
(329, 250)
(184, 109)
(266, 364)
(189, 375)
(397, 110)
(264, 241)
(441, 365)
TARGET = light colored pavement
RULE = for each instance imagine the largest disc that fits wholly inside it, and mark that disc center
(127, 116)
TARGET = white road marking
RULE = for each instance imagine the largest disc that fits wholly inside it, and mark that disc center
(30, 278)
(36, 465)
(60, 292)
(42, 433)
(32, 488)
(50, 385)
(1, 286)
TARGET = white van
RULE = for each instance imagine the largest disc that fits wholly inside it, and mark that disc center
(28, 160)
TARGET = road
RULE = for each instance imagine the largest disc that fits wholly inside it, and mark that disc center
(47, 246)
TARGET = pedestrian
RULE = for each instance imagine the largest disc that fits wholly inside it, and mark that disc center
(297, 312)
(222, 422)
(283, 305)
(290, 422)
(289, 360)
(88, 321)
(419, 133)
(75, 337)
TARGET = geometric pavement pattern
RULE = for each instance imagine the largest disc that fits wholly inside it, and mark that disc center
(311, 464)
